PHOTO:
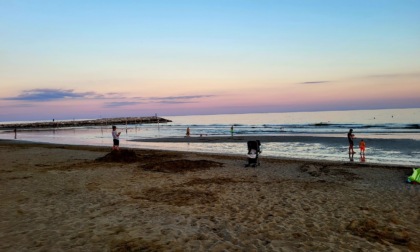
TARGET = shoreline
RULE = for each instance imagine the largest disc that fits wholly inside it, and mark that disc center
(284, 146)
(273, 139)
(221, 155)
(265, 155)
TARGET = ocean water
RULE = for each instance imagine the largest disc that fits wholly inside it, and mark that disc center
(392, 136)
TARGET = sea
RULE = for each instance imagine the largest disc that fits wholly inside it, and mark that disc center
(392, 136)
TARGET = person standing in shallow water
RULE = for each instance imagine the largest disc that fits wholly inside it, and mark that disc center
(116, 138)
(188, 132)
(350, 137)
(362, 146)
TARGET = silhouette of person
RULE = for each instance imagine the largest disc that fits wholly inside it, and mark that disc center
(350, 137)
(116, 138)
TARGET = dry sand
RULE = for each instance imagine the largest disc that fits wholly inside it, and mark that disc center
(61, 198)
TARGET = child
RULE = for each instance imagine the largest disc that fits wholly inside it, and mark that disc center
(362, 146)
(116, 139)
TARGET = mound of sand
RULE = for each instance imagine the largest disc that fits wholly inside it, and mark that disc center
(137, 244)
(372, 230)
(324, 170)
(211, 181)
(121, 156)
(314, 170)
(182, 165)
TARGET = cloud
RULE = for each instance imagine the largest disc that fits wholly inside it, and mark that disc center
(185, 97)
(173, 99)
(48, 94)
(395, 75)
(176, 102)
(178, 99)
(160, 100)
(114, 96)
(117, 99)
(51, 94)
(385, 76)
(121, 104)
(314, 82)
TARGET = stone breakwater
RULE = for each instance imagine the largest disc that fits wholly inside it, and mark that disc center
(81, 123)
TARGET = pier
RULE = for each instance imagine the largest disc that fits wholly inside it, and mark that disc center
(82, 123)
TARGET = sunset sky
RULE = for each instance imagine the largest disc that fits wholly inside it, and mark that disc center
(91, 59)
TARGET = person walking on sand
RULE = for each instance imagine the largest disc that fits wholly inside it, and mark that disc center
(188, 132)
(362, 146)
(350, 137)
(116, 138)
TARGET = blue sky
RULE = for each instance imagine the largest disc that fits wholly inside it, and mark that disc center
(125, 57)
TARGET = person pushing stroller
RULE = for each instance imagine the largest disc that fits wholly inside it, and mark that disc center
(254, 149)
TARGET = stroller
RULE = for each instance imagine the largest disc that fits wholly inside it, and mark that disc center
(253, 151)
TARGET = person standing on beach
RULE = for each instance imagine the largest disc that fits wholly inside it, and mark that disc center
(362, 146)
(116, 138)
(231, 130)
(350, 137)
(188, 132)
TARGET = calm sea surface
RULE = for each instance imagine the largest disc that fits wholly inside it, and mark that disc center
(392, 136)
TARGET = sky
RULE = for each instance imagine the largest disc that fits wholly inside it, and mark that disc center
(94, 59)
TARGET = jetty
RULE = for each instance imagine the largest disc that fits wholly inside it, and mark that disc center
(84, 123)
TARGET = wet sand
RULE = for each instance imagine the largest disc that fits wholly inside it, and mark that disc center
(80, 198)
(380, 143)
(230, 139)
(242, 139)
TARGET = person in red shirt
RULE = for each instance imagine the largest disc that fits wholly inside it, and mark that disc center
(362, 146)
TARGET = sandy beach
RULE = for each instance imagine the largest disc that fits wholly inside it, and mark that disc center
(84, 198)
